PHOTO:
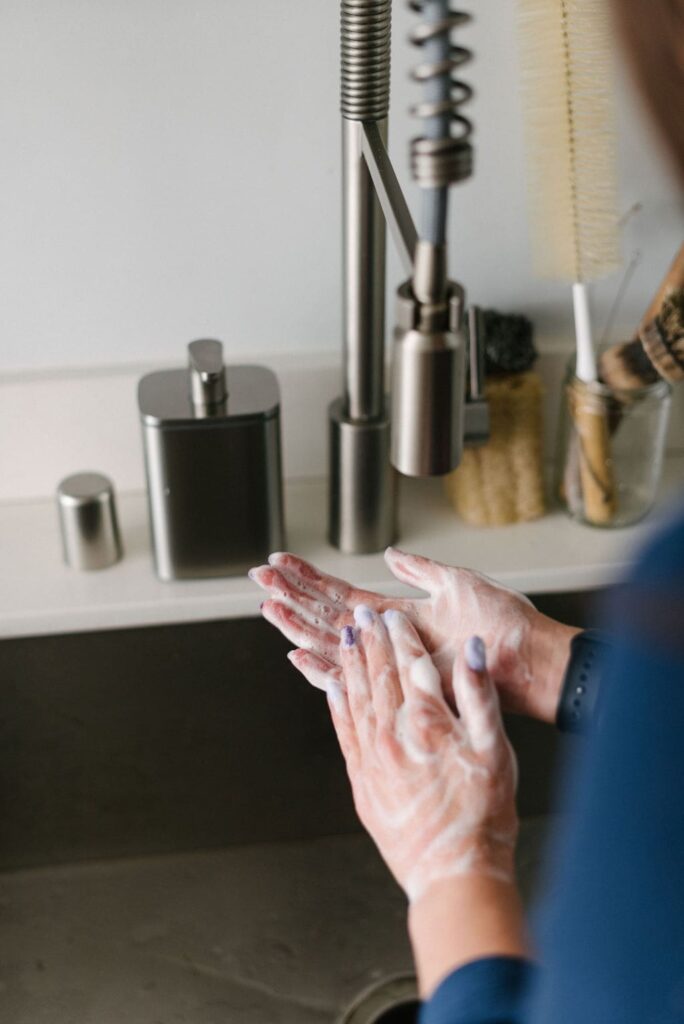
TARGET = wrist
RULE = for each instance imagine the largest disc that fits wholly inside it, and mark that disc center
(550, 652)
(461, 919)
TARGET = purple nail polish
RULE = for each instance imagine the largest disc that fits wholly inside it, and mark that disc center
(348, 637)
(475, 654)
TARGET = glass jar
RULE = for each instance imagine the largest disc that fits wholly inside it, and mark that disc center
(610, 450)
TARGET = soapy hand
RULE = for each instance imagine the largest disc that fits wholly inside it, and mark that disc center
(436, 792)
(527, 651)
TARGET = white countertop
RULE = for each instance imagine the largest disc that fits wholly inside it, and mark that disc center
(39, 595)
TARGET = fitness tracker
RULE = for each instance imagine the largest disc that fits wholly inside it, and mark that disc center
(582, 681)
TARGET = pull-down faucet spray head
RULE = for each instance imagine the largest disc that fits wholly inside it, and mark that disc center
(428, 372)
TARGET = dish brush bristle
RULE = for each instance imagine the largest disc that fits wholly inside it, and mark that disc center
(568, 100)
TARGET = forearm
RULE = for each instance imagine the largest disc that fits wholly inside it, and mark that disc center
(463, 919)
(550, 651)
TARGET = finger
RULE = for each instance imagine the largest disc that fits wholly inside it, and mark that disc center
(320, 639)
(287, 590)
(355, 672)
(340, 712)
(339, 593)
(324, 676)
(296, 580)
(316, 670)
(415, 570)
(385, 686)
(476, 698)
(417, 671)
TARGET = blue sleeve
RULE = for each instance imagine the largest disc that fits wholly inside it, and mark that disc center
(493, 990)
(610, 931)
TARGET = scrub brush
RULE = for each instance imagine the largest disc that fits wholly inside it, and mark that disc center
(565, 56)
(502, 481)
(663, 339)
(658, 348)
(508, 342)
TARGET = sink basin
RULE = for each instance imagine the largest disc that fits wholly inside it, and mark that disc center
(178, 841)
(184, 737)
(272, 933)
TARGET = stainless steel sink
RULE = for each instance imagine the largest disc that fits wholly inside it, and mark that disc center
(178, 840)
(270, 933)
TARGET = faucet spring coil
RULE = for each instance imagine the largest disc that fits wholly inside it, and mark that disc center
(366, 39)
(438, 162)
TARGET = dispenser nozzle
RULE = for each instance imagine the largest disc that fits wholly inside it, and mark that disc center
(208, 391)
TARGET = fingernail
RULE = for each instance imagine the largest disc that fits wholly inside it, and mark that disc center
(291, 655)
(363, 616)
(252, 574)
(475, 654)
(348, 636)
(392, 617)
(275, 556)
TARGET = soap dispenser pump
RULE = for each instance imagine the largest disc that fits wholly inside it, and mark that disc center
(211, 440)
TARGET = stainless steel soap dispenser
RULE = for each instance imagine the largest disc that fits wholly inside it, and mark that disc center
(211, 437)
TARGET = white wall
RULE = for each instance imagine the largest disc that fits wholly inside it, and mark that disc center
(170, 168)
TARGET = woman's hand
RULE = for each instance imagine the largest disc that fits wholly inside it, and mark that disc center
(527, 651)
(435, 791)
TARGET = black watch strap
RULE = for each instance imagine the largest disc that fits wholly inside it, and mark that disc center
(582, 682)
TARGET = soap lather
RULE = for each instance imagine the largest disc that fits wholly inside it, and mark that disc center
(211, 438)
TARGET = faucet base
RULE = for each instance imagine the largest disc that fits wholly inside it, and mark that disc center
(362, 496)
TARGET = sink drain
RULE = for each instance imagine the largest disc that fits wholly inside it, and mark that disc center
(391, 1001)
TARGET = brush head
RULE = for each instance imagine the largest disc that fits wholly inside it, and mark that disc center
(627, 366)
(568, 101)
(508, 342)
(663, 338)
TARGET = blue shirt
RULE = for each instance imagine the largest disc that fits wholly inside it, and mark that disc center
(610, 935)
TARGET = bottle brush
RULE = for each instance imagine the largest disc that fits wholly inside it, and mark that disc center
(568, 101)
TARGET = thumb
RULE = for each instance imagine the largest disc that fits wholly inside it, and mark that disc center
(414, 570)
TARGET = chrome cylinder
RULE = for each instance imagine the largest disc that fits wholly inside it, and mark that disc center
(366, 31)
(364, 234)
(363, 484)
(88, 521)
(428, 386)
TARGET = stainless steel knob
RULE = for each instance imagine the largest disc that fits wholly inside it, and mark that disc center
(88, 521)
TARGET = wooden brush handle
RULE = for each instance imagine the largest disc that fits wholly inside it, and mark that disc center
(596, 473)
(673, 279)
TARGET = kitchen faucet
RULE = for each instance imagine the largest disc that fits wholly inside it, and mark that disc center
(424, 432)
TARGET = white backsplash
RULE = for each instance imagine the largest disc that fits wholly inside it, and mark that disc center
(53, 424)
(171, 170)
